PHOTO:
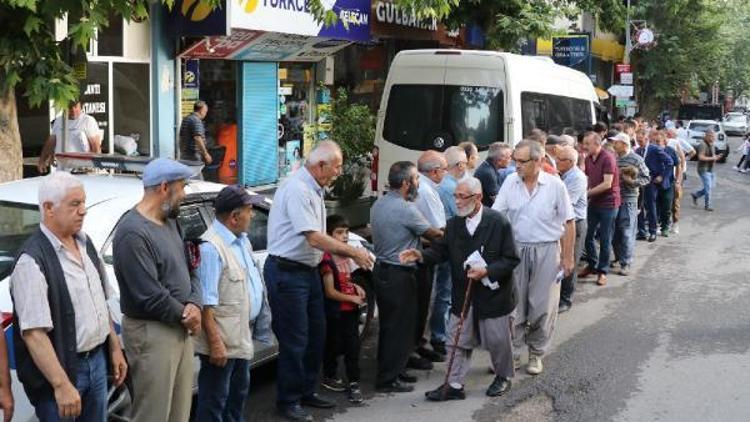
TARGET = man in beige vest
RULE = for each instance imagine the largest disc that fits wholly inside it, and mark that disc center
(233, 297)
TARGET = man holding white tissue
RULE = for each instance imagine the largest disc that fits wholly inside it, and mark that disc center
(479, 245)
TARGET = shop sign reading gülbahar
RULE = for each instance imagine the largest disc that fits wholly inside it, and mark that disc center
(294, 17)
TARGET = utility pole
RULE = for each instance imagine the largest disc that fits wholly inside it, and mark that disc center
(628, 41)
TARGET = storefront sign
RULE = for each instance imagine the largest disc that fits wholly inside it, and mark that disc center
(268, 46)
(390, 13)
(622, 68)
(294, 17)
(198, 18)
(570, 50)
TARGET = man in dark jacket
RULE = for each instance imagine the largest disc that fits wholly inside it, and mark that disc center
(64, 337)
(659, 164)
(482, 240)
(497, 158)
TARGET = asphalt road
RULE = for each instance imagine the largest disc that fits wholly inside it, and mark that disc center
(671, 342)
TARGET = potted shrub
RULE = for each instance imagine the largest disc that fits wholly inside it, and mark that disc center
(353, 128)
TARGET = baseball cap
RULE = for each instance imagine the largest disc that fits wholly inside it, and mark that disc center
(620, 137)
(235, 196)
(165, 170)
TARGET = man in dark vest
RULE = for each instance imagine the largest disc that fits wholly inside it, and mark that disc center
(482, 240)
(65, 336)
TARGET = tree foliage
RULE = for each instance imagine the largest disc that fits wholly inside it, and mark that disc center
(699, 42)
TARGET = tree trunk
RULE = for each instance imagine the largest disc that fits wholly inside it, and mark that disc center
(11, 157)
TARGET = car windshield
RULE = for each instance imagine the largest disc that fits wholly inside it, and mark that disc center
(18, 222)
(736, 118)
(702, 127)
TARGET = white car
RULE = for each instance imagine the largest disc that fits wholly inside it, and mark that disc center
(735, 123)
(108, 197)
(696, 129)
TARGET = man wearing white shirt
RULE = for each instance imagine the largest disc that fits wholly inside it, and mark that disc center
(539, 209)
(432, 167)
(83, 131)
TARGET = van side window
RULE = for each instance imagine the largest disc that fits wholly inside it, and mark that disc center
(553, 113)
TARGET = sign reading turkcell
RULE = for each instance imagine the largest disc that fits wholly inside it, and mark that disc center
(570, 50)
(294, 17)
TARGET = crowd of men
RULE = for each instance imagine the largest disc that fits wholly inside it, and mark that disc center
(497, 241)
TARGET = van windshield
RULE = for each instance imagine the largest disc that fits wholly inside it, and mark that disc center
(422, 117)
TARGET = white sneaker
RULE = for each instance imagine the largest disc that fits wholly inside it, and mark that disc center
(736, 168)
(675, 229)
(535, 366)
(743, 171)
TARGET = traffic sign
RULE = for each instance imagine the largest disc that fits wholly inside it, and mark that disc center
(626, 78)
(621, 90)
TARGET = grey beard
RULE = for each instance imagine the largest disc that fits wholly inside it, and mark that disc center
(463, 212)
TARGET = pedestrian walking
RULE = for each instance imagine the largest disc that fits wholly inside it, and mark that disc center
(744, 148)
(193, 143)
(297, 239)
(658, 164)
(576, 185)
(543, 223)
(83, 135)
(397, 225)
(707, 156)
(634, 176)
(160, 297)
(343, 299)
(432, 168)
(233, 301)
(64, 337)
(482, 239)
(604, 202)
(497, 158)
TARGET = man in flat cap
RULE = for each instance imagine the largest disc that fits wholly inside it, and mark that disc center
(159, 297)
(233, 298)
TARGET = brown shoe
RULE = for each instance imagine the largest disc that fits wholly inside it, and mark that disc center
(586, 272)
(601, 280)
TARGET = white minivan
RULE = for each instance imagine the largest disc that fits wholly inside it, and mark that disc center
(434, 99)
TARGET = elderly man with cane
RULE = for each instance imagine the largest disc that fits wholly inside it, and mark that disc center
(479, 245)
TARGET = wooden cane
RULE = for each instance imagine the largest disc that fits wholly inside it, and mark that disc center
(458, 334)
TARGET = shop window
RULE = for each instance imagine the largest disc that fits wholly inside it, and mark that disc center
(109, 38)
(95, 97)
(131, 108)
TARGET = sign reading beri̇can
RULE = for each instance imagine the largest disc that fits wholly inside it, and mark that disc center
(294, 17)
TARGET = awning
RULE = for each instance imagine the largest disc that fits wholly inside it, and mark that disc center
(601, 93)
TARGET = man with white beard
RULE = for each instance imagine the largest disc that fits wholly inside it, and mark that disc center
(479, 245)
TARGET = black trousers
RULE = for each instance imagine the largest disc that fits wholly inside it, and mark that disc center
(342, 338)
(568, 284)
(425, 276)
(664, 200)
(396, 295)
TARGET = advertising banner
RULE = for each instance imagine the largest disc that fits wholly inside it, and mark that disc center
(294, 17)
(570, 50)
(198, 18)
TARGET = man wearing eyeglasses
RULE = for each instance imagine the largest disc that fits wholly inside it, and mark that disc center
(432, 168)
(543, 221)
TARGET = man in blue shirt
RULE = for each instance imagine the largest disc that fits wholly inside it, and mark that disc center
(234, 306)
(576, 185)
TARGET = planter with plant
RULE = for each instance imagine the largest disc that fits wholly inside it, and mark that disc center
(353, 129)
